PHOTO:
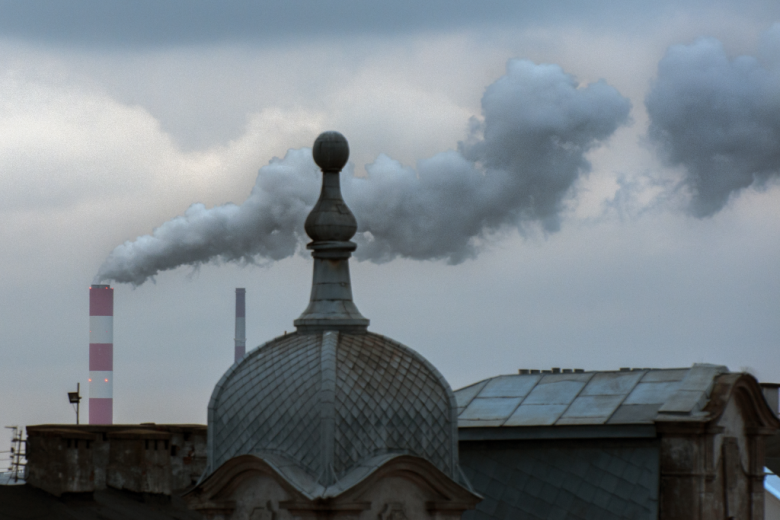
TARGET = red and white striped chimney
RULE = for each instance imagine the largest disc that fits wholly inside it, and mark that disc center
(101, 354)
(240, 324)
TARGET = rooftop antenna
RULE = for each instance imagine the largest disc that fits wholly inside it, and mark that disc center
(75, 398)
(17, 452)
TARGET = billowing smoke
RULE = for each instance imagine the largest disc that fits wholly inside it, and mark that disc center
(267, 226)
(719, 118)
(515, 167)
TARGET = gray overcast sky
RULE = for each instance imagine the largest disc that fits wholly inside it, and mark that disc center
(571, 223)
(184, 22)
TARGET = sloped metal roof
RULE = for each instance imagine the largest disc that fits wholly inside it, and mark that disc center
(331, 401)
(588, 398)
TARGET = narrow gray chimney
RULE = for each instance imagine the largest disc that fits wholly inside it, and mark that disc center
(240, 337)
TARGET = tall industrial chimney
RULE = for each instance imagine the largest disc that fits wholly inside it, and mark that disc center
(101, 354)
(240, 324)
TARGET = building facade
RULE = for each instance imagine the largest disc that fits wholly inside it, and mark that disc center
(641, 444)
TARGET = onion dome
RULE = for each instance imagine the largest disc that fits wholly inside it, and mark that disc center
(332, 401)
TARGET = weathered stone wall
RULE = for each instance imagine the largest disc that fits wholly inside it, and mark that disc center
(140, 461)
(188, 456)
(61, 461)
(714, 469)
(147, 458)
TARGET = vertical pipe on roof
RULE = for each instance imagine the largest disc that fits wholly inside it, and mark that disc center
(240, 337)
(101, 354)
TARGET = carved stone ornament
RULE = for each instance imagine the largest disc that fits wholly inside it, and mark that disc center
(393, 511)
(266, 512)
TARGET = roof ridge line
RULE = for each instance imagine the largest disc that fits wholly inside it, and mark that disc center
(328, 360)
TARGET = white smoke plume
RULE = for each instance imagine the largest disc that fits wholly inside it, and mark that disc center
(719, 118)
(516, 166)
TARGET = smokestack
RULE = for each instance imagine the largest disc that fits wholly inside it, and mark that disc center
(101, 354)
(240, 324)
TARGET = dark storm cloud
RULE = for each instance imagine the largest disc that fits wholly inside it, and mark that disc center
(516, 168)
(155, 22)
(718, 117)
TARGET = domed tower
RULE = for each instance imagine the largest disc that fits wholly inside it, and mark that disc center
(332, 420)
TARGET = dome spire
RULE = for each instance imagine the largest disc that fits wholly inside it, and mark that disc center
(330, 225)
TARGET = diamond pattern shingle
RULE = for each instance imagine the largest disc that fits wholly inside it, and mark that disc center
(330, 405)
(542, 481)
(387, 400)
(270, 402)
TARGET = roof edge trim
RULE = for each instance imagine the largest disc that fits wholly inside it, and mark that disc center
(507, 433)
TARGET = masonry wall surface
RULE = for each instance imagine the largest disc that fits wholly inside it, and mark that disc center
(147, 458)
(61, 461)
(712, 471)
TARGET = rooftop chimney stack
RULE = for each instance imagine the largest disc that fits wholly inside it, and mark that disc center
(101, 354)
(240, 324)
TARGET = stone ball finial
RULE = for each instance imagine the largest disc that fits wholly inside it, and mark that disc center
(331, 220)
(331, 151)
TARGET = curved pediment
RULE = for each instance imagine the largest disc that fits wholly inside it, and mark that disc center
(746, 392)
(388, 480)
